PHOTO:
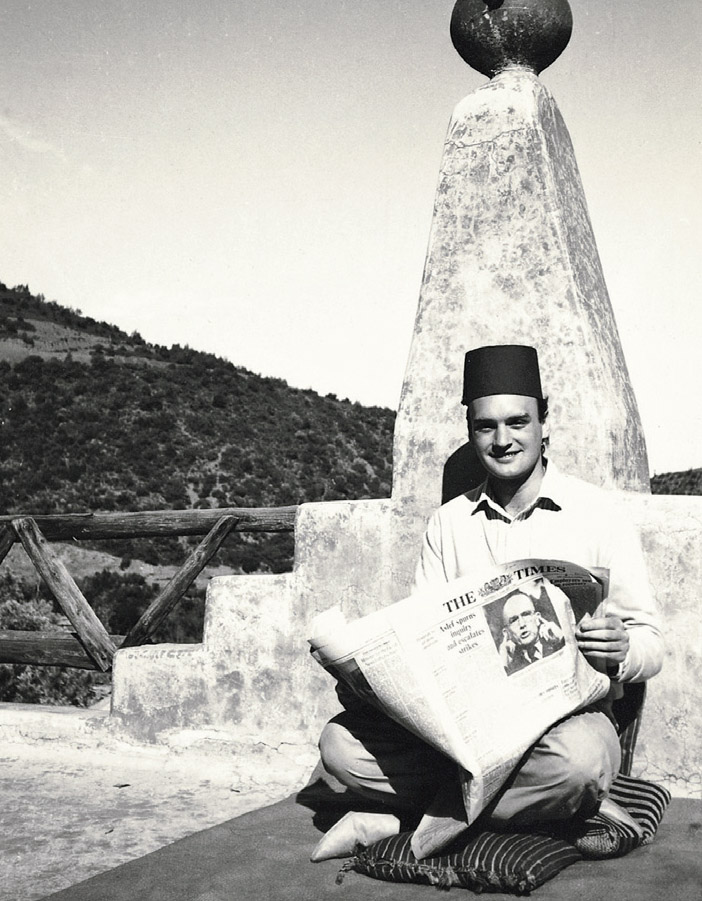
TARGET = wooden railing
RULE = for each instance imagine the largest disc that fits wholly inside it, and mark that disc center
(90, 647)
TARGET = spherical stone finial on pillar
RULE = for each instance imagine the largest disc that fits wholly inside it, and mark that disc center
(491, 35)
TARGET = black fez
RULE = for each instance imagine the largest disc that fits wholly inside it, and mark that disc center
(503, 369)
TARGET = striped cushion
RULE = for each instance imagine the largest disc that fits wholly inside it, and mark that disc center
(599, 837)
(516, 862)
(645, 801)
(490, 861)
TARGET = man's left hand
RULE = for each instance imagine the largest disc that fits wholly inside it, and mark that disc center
(603, 638)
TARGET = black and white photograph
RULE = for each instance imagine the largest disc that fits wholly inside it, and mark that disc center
(326, 305)
(525, 628)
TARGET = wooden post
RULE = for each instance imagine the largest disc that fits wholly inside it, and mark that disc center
(46, 649)
(91, 632)
(7, 539)
(161, 606)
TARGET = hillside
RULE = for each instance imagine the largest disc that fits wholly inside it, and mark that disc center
(32, 325)
(688, 482)
(94, 419)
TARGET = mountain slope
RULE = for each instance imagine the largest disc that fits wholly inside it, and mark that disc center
(94, 419)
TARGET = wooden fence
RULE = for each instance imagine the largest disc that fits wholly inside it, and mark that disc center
(90, 647)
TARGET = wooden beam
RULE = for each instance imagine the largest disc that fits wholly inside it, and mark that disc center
(157, 523)
(7, 539)
(89, 629)
(162, 605)
(46, 649)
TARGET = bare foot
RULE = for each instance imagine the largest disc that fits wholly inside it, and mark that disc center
(353, 828)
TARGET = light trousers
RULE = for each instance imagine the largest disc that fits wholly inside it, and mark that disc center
(566, 774)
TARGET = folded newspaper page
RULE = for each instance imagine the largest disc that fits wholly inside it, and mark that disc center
(479, 668)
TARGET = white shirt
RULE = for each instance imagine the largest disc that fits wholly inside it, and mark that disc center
(569, 520)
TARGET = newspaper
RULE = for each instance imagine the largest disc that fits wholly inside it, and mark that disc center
(479, 668)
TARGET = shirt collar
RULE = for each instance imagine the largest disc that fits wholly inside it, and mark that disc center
(550, 497)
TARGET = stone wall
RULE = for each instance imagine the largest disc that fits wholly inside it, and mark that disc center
(253, 676)
(670, 743)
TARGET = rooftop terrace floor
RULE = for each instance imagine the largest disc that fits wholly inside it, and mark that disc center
(72, 809)
(193, 820)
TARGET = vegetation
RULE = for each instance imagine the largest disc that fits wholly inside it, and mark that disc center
(687, 482)
(119, 599)
(93, 419)
(24, 609)
(142, 427)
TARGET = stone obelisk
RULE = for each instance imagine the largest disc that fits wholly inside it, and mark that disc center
(512, 258)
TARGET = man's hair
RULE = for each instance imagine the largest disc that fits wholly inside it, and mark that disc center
(518, 594)
(541, 403)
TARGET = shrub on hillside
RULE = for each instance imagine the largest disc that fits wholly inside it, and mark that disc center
(120, 598)
(22, 610)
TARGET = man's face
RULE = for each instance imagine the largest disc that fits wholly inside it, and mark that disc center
(506, 434)
(520, 620)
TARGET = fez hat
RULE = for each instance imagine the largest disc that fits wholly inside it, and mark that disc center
(502, 369)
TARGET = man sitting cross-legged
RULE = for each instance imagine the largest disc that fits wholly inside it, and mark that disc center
(525, 508)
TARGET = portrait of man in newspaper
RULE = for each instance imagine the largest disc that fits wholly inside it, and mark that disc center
(525, 629)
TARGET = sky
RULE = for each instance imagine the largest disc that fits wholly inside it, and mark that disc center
(257, 180)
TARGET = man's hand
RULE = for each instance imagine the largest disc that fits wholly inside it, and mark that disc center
(507, 649)
(604, 638)
(549, 631)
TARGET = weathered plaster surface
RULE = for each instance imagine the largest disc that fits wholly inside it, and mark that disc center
(511, 257)
(254, 678)
(77, 799)
(670, 743)
(253, 674)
